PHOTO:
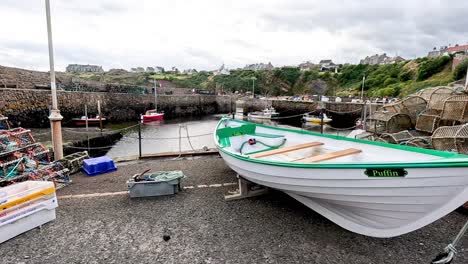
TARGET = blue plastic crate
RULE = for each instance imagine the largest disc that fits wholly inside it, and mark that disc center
(98, 165)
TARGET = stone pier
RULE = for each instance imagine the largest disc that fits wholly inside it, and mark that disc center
(344, 114)
(30, 107)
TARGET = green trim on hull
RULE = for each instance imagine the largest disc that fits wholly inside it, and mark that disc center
(447, 162)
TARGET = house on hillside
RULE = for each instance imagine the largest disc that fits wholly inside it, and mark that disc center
(158, 69)
(137, 69)
(259, 67)
(221, 71)
(173, 70)
(392, 60)
(381, 59)
(328, 65)
(446, 50)
(189, 71)
(457, 48)
(84, 68)
(306, 66)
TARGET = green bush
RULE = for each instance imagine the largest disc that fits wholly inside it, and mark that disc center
(432, 66)
(386, 92)
(288, 74)
(389, 81)
(460, 70)
(406, 75)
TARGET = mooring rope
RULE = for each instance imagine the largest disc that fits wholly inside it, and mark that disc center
(98, 132)
(75, 147)
(292, 116)
(168, 138)
(266, 145)
(342, 129)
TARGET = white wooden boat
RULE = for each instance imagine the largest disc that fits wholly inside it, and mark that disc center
(317, 119)
(371, 188)
(267, 113)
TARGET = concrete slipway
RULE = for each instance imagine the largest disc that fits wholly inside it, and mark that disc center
(97, 223)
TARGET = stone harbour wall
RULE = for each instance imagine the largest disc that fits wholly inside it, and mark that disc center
(30, 107)
(23, 79)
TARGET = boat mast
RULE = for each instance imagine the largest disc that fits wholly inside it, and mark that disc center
(155, 97)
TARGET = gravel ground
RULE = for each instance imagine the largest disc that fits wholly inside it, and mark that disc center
(200, 227)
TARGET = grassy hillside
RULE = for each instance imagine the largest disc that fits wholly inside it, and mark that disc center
(398, 79)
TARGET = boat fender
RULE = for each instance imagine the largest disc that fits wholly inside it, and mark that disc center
(252, 141)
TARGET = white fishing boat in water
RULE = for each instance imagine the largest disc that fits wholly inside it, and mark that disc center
(316, 119)
(371, 188)
(267, 113)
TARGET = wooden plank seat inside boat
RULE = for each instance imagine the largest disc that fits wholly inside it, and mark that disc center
(285, 149)
(331, 155)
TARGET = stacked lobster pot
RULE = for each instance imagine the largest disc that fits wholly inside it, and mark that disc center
(22, 159)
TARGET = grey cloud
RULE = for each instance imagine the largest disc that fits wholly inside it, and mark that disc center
(393, 26)
(94, 8)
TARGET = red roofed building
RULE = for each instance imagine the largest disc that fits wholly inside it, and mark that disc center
(457, 48)
(444, 50)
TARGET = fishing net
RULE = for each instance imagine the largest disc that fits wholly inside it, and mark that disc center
(456, 108)
(451, 138)
(161, 176)
(387, 122)
(21, 159)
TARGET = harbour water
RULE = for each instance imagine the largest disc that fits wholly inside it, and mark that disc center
(170, 136)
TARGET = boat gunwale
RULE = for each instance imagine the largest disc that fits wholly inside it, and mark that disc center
(451, 159)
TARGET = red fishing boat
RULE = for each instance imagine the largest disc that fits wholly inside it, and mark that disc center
(92, 121)
(153, 115)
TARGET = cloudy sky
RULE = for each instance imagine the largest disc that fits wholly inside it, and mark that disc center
(203, 34)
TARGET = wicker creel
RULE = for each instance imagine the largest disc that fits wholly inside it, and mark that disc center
(428, 120)
(398, 137)
(456, 108)
(438, 96)
(412, 106)
(451, 138)
(387, 122)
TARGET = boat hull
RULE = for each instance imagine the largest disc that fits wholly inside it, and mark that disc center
(151, 118)
(317, 120)
(91, 122)
(372, 206)
(261, 116)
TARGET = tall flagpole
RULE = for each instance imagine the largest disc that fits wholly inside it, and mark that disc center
(55, 117)
(362, 89)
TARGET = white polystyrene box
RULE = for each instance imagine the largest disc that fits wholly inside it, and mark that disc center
(27, 213)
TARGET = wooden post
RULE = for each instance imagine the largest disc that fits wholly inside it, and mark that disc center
(139, 140)
(86, 122)
(364, 116)
(321, 121)
(99, 112)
